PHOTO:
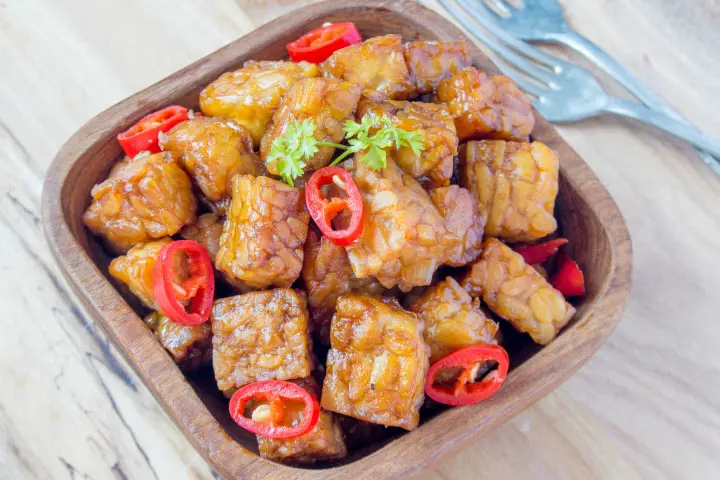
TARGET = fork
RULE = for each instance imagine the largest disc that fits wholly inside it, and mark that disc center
(543, 20)
(564, 92)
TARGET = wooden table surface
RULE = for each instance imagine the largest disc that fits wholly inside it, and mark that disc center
(647, 406)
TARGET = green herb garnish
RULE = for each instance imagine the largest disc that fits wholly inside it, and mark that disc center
(292, 150)
(374, 145)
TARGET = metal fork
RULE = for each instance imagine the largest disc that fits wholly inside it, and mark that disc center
(564, 92)
(543, 20)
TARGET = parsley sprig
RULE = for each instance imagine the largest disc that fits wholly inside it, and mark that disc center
(292, 150)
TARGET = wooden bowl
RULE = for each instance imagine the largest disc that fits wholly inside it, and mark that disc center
(588, 216)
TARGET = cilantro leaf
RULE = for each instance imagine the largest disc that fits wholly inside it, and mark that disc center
(374, 145)
(390, 132)
(290, 151)
(384, 138)
(357, 145)
(353, 129)
(414, 140)
(375, 158)
(306, 128)
(290, 168)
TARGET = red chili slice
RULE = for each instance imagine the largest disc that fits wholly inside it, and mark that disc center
(143, 136)
(275, 394)
(568, 279)
(534, 254)
(199, 288)
(323, 211)
(466, 390)
(316, 46)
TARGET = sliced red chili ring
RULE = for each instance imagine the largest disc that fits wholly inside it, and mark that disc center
(465, 390)
(568, 279)
(317, 45)
(534, 254)
(273, 395)
(323, 211)
(143, 136)
(198, 288)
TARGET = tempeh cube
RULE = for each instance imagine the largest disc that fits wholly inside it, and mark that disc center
(324, 442)
(136, 267)
(486, 107)
(375, 64)
(463, 223)
(264, 232)
(213, 150)
(403, 241)
(452, 319)
(260, 336)
(144, 198)
(251, 94)
(377, 362)
(515, 185)
(190, 346)
(431, 62)
(517, 292)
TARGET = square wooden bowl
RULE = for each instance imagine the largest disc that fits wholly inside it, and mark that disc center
(588, 216)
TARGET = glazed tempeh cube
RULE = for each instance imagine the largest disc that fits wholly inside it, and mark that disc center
(260, 336)
(213, 151)
(145, 198)
(433, 167)
(517, 292)
(251, 94)
(514, 185)
(463, 223)
(264, 232)
(327, 102)
(377, 363)
(452, 319)
(430, 62)
(486, 107)
(190, 347)
(136, 267)
(328, 275)
(375, 64)
(324, 442)
(403, 239)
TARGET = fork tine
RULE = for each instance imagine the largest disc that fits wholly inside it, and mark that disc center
(485, 18)
(520, 62)
(528, 86)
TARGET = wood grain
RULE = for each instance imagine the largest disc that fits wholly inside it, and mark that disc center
(644, 407)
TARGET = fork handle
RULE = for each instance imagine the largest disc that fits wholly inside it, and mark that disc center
(605, 62)
(682, 130)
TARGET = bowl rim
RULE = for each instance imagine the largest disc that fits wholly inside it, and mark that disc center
(436, 437)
